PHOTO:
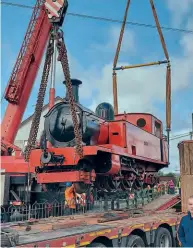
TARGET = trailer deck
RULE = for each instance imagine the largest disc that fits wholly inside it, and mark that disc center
(111, 229)
(165, 202)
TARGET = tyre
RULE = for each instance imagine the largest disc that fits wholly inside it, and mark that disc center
(135, 241)
(163, 238)
(5, 242)
(96, 245)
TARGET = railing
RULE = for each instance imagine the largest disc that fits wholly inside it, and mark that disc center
(118, 201)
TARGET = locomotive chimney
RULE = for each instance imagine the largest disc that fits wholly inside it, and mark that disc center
(75, 89)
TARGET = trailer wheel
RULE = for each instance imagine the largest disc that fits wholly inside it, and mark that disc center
(135, 241)
(5, 242)
(163, 238)
(96, 245)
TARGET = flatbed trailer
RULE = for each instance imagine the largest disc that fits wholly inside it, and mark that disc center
(128, 228)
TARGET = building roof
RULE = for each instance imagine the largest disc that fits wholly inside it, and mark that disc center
(166, 178)
(58, 98)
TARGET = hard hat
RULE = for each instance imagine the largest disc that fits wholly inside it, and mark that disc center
(68, 184)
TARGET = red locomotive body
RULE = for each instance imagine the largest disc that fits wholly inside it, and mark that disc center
(123, 152)
(141, 134)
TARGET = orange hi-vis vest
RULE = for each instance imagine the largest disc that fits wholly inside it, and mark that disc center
(70, 197)
(81, 199)
(159, 188)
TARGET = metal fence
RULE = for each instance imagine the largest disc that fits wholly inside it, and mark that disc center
(118, 201)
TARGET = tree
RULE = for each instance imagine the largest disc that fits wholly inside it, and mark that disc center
(170, 174)
(160, 173)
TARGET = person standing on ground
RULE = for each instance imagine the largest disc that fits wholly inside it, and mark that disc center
(70, 197)
(171, 187)
(185, 230)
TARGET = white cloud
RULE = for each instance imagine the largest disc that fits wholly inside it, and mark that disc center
(189, 24)
(128, 41)
(139, 88)
(187, 44)
(179, 9)
(174, 151)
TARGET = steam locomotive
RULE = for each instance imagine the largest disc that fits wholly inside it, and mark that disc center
(121, 152)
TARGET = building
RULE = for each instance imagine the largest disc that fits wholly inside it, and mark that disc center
(24, 129)
(166, 179)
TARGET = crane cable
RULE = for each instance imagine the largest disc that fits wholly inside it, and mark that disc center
(40, 100)
(116, 59)
(62, 52)
(63, 58)
(168, 75)
(168, 71)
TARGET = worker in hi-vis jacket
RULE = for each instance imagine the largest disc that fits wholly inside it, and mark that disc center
(70, 197)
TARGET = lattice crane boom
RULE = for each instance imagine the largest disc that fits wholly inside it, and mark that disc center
(45, 14)
(25, 70)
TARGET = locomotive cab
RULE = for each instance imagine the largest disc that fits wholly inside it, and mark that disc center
(144, 121)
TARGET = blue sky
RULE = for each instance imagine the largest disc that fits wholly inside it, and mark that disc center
(91, 47)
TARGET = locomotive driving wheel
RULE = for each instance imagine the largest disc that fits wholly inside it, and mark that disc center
(138, 184)
(115, 185)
